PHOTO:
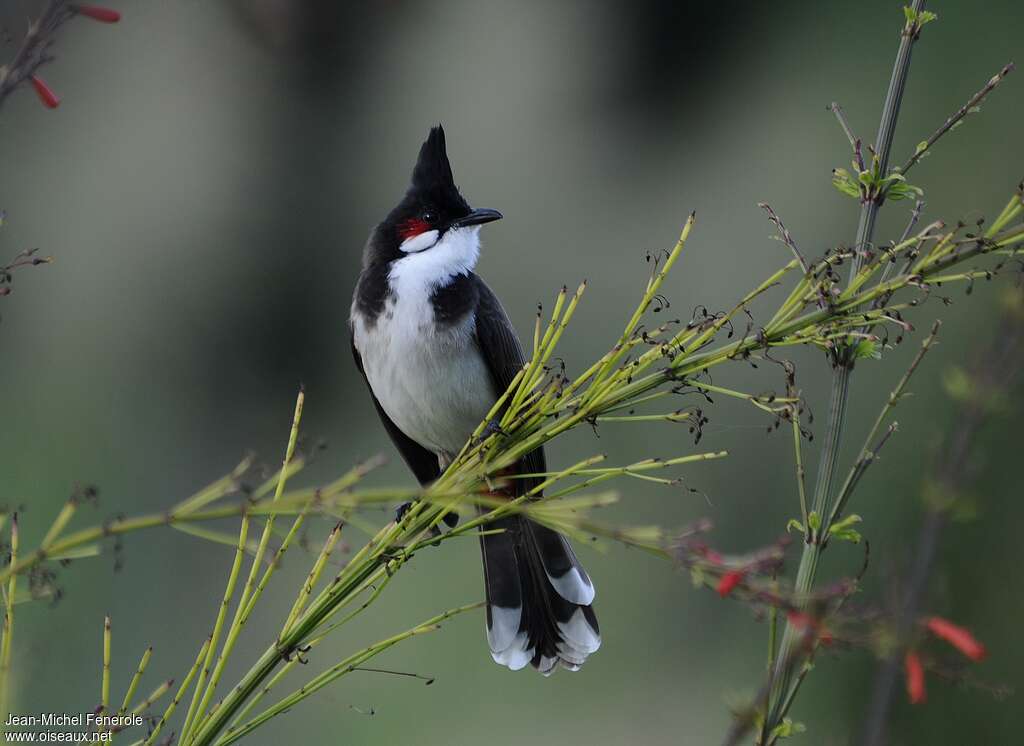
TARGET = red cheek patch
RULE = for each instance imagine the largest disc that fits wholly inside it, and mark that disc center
(412, 227)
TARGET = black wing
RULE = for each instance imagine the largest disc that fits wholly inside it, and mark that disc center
(503, 355)
(422, 461)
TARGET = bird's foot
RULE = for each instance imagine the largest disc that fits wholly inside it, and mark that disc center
(451, 519)
(493, 427)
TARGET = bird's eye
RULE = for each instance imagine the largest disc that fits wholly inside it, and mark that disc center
(429, 216)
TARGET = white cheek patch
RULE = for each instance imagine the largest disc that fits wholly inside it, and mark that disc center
(420, 242)
(420, 271)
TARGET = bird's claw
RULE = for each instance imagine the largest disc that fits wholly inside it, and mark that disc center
(295, 654)
(451, 518)
(493, 427)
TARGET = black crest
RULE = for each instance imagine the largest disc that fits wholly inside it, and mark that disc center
(433, 171)
(431, 197)
(433, 184)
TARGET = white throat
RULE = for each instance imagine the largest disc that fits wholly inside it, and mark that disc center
(429, 378)
(455, 253)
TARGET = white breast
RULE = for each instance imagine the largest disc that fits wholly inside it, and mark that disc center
(430, 380)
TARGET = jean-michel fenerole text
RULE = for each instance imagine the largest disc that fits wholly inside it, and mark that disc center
(63, 719)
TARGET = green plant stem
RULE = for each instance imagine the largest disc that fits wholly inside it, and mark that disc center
(8, 628)
(869, 451)
(153, 697)
(105, 679)
(786, 328)
(356, 573)
(180, 693)
(218, 625)
(129, 695)
(958, 116)
(811, 554)
(250, 591)
(801, 487)
(345, 666)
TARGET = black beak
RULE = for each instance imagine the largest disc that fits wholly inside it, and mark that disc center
(477, 217)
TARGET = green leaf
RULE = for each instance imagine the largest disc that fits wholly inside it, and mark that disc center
(850, 520)
(794, 523)
(845, 183)
(814, 520)
(898, 189)
(918, 19)
(848, 534)
(867, 349)
(787, 728)
(843, 530)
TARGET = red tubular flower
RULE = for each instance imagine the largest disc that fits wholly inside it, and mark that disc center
(729, 581)
(958, 637)
(50, 99)
(97, 13)
(915, 678)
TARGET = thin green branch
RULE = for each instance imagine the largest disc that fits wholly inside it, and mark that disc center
(129, 695)
(346, 666)
(869, 451)
(800, 473)
(169, 712)
(8, 626)
(250, 591)
(957, 117)
(807, 569)
(105, 679)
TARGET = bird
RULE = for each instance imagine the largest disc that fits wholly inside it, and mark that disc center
(436, 350)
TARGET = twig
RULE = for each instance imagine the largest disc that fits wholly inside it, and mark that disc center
(250, 591)
(800, 474)
(173, 705)
(915, 215)
(784, 235)
(129, 694)
(841, 378)
(994, 372)
(346, 666)
(836, 109)
(869, 453)
(956, 117)
(746, 720)
(26, 258)
(34, 51)
(105, 680)
(8, 625)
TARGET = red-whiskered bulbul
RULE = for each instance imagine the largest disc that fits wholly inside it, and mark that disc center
(437, 349)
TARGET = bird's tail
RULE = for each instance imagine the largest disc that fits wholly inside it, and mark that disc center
(538, 598)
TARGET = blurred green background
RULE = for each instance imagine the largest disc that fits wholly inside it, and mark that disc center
(206, 187)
